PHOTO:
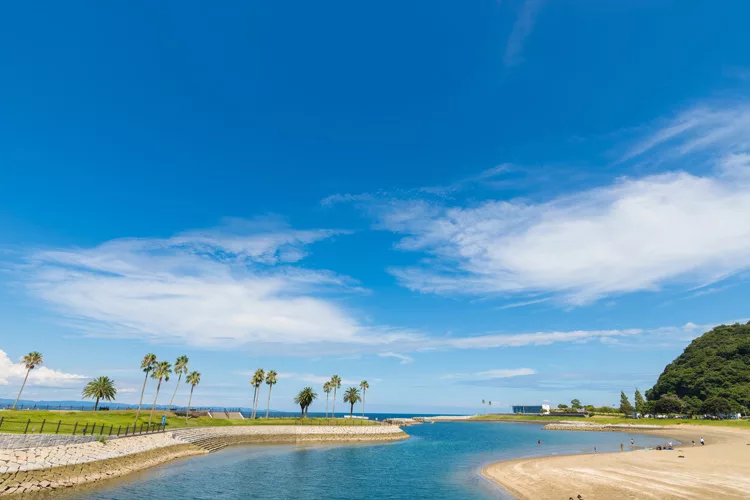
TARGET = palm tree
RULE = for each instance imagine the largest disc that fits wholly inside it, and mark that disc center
(100, 388)
(193, 378)
(147, 365)
(180, 367)
(304, 399)
(352, 397)
(258, 377)
(271, 381)
(335, 384)
(364, 386)
(483, 403)
(161, 372)
(31, 360)
(327, 388)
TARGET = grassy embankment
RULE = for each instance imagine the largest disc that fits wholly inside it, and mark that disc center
(606, 419)
(15, 421)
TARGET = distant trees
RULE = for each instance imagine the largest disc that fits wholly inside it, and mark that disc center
(258, 377)
(576, 404)
(193, 378)
(160, 372)
(716, 364)
(327, 388)
(668, 404)
(352, 397)
(639, 402)
(147, 365)
(625, 406)
(271, 379)
(335, 385)
(180, 367)
(364, 386)
(563, 406)
(717, 406)
(100, 388)
(304, 399)
(30, 361)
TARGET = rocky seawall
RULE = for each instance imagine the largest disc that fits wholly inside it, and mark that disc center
(44, 468)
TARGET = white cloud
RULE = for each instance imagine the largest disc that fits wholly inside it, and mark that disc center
(217, 288)
(318, 379)
(127, 390)
(41, 376)
(531, 339)
(404, 359)
(522, 28)
(636, 234)
(492, 374)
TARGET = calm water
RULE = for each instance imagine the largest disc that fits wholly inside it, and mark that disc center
(441, 461)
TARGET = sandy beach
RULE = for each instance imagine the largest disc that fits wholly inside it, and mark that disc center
(721, 469)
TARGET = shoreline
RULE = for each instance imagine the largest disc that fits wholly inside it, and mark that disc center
(55, 468)
(720, 469)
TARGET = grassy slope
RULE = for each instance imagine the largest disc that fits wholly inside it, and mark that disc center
(14, 421)
(602, 419)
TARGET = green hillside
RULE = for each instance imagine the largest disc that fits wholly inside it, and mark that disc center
(713, 373)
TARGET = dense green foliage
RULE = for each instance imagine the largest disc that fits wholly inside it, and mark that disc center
(715, 365)
(625, 406)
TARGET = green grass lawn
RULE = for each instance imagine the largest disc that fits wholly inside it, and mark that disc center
(15, 421)
(606, 419)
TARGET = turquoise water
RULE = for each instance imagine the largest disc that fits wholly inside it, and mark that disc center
(441, 461)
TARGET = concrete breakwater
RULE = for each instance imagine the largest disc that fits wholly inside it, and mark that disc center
(37, 469)
(595, 427)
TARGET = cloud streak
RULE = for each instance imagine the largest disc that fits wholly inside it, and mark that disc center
(522, 29)
(402, 357)
(220, 288)
(636, 234)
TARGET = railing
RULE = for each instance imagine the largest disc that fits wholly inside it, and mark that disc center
(115, 407)
(76, 428)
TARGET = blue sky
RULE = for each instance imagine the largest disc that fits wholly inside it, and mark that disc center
(516, 201)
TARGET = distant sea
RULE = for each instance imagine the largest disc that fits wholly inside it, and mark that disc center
(441, 461)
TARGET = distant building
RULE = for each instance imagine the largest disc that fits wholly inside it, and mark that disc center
(531, 409)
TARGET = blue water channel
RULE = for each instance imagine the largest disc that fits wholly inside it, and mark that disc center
(440, 461)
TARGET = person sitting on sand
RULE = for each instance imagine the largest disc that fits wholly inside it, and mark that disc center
(702, 441)
(693, 442)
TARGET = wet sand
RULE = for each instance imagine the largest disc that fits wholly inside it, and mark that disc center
(721, 469)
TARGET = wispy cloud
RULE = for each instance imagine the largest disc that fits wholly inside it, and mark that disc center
(636, 234)
(496, 373)
(321, 379)
(522, 29)
(41, 376)
(218, 288)
(404, 358)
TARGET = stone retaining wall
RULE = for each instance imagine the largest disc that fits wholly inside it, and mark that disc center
(52, 467)
(16, 441)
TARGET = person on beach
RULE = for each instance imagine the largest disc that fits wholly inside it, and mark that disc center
(632, 442)
(702, 441)
(594, 449)
(693, 442)
(622, 447)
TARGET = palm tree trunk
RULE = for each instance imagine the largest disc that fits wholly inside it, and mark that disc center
(96, 405)
(327, 395)
(138, 412)
(187, 413)
(255, 398)
(333, 410)
(351, 410)
(22, 386)
(364, 395)
(175, 390)
(151, 415)
(268, 408)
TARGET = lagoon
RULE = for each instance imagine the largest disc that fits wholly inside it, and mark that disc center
(441, 461)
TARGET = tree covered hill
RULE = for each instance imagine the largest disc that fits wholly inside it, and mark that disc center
(714, 367)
